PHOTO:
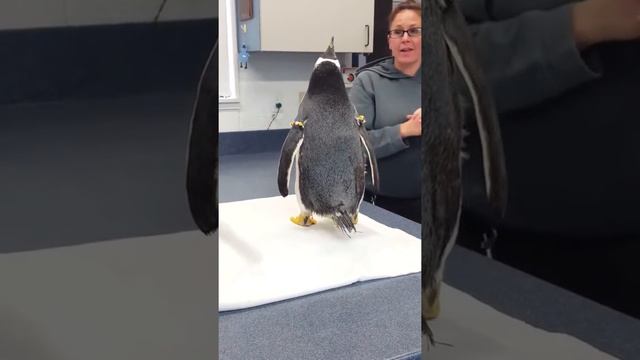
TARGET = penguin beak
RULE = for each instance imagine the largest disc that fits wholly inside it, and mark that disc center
(330, 53)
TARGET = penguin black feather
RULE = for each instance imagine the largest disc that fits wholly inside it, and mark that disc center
(450, 60)
(202, 157)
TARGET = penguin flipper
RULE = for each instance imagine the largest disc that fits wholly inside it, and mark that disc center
(289, 149)
(460, 49)
(440, 159)
(202, 158)
(373, 164)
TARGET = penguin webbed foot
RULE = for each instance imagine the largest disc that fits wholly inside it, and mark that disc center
(431, 309)
(303, 220)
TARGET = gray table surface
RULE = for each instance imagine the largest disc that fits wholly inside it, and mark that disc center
(300, 324)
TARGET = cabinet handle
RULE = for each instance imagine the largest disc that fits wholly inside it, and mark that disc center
(367, 44)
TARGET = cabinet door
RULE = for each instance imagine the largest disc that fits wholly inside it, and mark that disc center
(307, 25)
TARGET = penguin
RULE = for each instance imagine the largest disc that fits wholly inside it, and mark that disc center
(202, 152)
(451, 61)
(329, 145)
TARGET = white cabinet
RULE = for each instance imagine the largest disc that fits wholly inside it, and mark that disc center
(306, 25)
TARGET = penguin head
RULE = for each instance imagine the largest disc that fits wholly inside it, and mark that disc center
(326, 76)
(328, 56)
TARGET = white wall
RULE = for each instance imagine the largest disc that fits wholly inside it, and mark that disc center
(26, 14)
(270, 76)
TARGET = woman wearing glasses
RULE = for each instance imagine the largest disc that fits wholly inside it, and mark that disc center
(387, 93)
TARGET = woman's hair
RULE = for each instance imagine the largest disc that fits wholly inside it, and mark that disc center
(405, 5)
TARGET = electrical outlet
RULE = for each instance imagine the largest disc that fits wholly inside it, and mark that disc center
(276, 110)
(348, 76)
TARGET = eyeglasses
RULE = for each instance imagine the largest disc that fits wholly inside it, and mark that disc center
(397, 34)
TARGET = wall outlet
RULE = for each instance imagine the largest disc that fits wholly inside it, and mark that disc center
(348, 76)
(277, 106)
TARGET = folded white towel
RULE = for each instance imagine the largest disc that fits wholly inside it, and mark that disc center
(265, 258)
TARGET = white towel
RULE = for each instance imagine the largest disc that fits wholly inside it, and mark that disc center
(265, 258)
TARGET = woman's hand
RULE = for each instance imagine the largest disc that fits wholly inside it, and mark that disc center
(596, 21)
(413, 125)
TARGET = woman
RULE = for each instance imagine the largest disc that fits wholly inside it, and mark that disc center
(565, 79)
(387, 93)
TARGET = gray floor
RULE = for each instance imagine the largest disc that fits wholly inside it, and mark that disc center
(77, 172)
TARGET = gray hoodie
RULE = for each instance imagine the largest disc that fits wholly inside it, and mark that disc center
(385, 97)
(527, 50)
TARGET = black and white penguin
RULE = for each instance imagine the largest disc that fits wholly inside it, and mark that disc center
(329, 145)
(448, 49)
(202, 154)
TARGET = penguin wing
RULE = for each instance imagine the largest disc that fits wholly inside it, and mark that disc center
(289, 149)
(202, 158)
(373, 164)
(461, 51)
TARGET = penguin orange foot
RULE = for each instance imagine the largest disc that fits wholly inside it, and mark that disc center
(303, 220)
(431, 307)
